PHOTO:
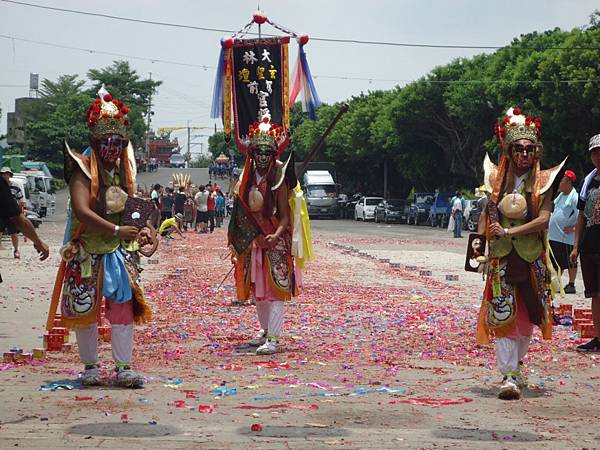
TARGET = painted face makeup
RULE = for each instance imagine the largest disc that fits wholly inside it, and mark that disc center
(262, 157)
(523, 153)
(111, 148)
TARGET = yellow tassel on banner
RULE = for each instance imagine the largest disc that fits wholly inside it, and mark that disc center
(286, 86)
(227, 83)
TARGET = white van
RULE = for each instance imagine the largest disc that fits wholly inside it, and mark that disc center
(42, 195)
(21, 182)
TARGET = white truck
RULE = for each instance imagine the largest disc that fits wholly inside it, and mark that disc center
(321, 193)
(41, 191)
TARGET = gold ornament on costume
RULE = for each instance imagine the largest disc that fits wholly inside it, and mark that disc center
(107, 115)
(115, 199)
(517, 126)
(513, 206)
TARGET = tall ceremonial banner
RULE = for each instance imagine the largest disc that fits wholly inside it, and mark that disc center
(252, 82)
(260, 83)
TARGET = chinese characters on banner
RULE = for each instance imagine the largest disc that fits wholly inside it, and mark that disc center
(260, 82)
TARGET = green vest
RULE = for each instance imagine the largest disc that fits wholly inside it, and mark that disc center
(528, 246)
(100, 243)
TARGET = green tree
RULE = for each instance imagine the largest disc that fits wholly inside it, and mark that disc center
(124, 83)
(57, 116)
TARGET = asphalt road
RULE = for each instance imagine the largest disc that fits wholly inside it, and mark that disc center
(164, 176)
(392, 231)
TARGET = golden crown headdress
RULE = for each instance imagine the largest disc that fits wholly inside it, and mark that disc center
(266, 133)
(107, 115)
(517, 126)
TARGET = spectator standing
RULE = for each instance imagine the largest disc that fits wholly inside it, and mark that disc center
(188, 213)
(201, 200)
(155, 195)
(220, 207)
(587, 240)
(167, 201)
(179, 200)
(458, 206)
(7, 226)
(561, 229)
(211, 205)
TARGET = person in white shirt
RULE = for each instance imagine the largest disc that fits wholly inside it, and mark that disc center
(457, 214)
(201, 200)
(561, 230)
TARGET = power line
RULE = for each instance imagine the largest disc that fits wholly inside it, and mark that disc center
(316, 76)
(322, 39)
(102, 52)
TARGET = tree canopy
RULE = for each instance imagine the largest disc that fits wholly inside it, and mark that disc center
(58, 114)
(434, 132)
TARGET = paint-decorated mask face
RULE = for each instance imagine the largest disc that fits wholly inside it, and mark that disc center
(262, 156)
(111, 147)
(523, 153)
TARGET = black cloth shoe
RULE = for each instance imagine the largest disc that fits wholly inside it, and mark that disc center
(569, 288)
(591, 347)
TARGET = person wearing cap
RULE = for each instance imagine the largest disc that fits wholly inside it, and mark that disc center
(587, 240)
(561, 229)
(6, 226)
(171, 224)
(12, 215)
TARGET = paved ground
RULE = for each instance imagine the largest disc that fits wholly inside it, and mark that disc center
(373, 357)
(165, 175)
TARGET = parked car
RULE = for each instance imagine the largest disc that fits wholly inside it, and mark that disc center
(365, 208)
(439, 213)
(393, 210)
(419, 208)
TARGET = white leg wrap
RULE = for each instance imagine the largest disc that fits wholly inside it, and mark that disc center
(276, 319)
(263, 309)
(523, 346)
(122, 343)
(87, 343)
(507, 355)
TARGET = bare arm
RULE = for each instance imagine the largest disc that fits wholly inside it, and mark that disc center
(178, 230)
(79, 187)
(536, 225)
(27, 228)
(579, 227)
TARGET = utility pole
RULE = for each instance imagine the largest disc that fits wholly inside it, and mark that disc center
(148, 114)
(189, 143)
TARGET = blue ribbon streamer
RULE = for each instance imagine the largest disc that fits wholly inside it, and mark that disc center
(216, 109)
(313, 102)
(116, 286)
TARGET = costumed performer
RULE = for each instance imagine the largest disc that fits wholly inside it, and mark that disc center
(269, 232)
(518, 291)
(102, 262)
